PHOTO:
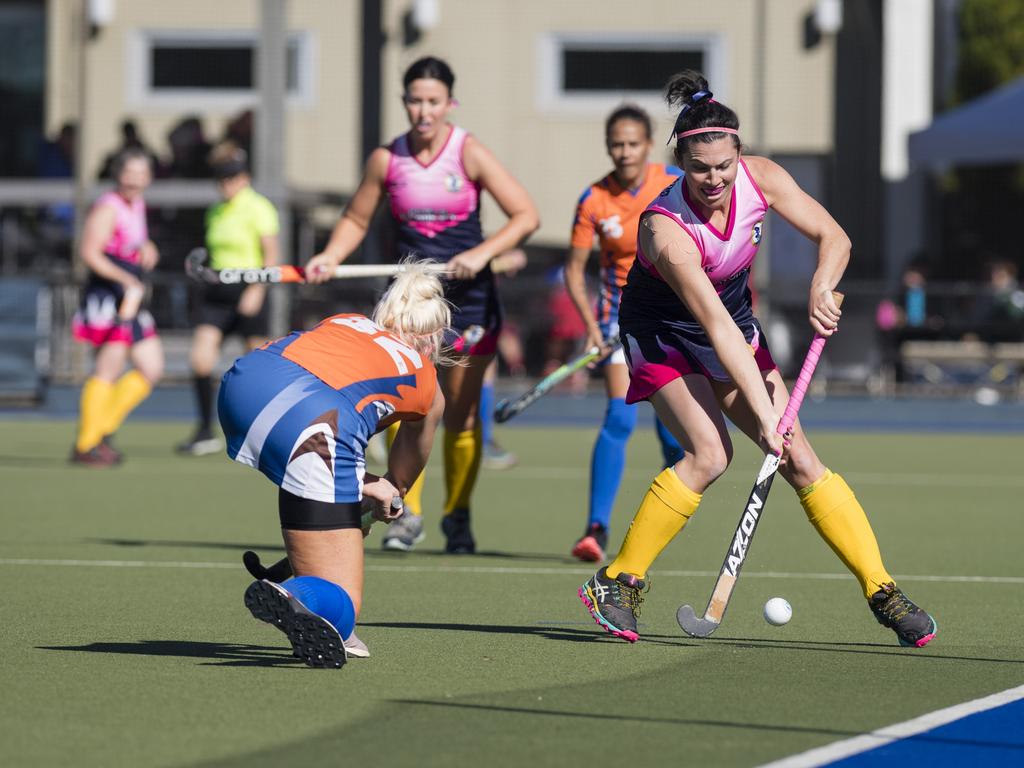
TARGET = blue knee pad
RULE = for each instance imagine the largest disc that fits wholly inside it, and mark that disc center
(326, 599)
(671, 450)
(609, 459)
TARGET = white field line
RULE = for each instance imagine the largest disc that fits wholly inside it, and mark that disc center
(498, 570)
(847, 747)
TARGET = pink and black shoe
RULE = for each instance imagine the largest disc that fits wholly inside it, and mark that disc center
(615, 603)
(893, 609)
(590, 547)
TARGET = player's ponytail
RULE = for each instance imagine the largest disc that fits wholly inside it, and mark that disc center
(415, 310)
(699, 113)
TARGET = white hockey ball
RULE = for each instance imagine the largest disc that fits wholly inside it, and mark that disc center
(778, 611)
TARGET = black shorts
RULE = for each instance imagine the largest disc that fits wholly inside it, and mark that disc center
(299, 514)
(217, 305)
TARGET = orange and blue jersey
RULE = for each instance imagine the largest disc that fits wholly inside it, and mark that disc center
(611, 213)
(302, 409)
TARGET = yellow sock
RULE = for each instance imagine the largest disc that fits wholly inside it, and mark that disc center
(840, 520)
(666, 507)
(96, 398)
(130, 390)
(462, 452)
(413, 498)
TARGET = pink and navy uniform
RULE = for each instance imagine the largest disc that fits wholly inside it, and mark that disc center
(662, 339)
(301, 409)
(436, 210)
(96, 320)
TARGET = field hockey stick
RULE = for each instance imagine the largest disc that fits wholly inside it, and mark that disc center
(753, 510)
(197, 268)
(507, 408)
(282, 569)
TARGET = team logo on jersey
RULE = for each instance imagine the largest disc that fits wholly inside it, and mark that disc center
(452, 182)
(611, 227)
(755, 233)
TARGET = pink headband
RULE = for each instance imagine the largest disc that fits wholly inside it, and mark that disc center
(713, 129)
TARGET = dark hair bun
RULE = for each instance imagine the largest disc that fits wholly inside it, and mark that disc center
(681, 87)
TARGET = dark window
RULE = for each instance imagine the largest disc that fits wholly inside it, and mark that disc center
(212, 67)
(624, 69)
(23, 150)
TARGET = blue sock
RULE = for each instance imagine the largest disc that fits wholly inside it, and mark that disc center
(609, 459)
(671, 450)
(487, 412)
(325, 599)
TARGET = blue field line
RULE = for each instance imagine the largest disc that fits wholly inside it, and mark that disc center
(984, 732)
(991, 738)
(845, 414)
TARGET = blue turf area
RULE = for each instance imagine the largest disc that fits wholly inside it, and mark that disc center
(991, 738)
(556, 409)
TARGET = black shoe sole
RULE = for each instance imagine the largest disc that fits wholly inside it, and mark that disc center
(313, 638)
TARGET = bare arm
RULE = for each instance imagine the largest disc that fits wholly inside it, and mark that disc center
(678, 261)
(484, 168)
(576, 287)
(355, 221)
(811, 219)
(99, 226)
(252, 298)
(411, 449)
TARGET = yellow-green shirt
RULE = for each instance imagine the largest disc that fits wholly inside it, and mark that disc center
(234, 228)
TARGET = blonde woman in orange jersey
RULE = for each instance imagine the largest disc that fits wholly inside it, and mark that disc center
(301, 410)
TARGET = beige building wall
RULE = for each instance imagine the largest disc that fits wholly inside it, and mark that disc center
(322, 128)
(501, 53)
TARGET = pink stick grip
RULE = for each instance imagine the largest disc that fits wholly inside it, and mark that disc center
(796, 397)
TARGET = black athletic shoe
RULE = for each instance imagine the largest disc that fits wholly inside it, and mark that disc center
(615, 603)
(590, 547)
(455, 527)
(313, 638)
(913, 626)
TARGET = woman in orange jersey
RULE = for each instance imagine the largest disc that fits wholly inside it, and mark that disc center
(609, 210)
(301, 410)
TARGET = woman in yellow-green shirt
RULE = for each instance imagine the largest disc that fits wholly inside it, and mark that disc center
(241, 232)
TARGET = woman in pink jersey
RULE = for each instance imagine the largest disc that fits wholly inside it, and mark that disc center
(432, 176)
(117, 249)
(698, 354)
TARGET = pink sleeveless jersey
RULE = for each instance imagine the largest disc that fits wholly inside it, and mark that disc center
(130, 230)
(436, 206)
(723, 254)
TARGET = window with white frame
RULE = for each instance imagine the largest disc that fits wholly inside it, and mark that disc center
(210, 68)
(594, 71)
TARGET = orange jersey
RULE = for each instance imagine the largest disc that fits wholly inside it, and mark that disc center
(353, 355)
(612, 214)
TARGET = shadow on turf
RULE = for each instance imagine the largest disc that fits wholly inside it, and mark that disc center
(878, 649)
(227, 654)
(589, 634)
(646, 718)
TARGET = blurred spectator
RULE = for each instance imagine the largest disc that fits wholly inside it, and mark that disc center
(130, 139)
(905, 317)
(189, 150)
(999, 312)
(57, 157)
(238, 131)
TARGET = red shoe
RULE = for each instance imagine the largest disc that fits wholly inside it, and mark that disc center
(108, 451)
(590, 548)
(94, 457)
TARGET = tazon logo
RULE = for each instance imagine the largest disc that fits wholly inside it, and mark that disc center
(255, 275)
(738, 553)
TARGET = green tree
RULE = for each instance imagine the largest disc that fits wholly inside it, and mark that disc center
(991, 46)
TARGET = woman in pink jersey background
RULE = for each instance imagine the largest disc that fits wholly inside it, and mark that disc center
(117, 250)
(432, 177)
(696, 351)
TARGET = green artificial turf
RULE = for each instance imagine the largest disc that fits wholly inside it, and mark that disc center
(151, 659)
